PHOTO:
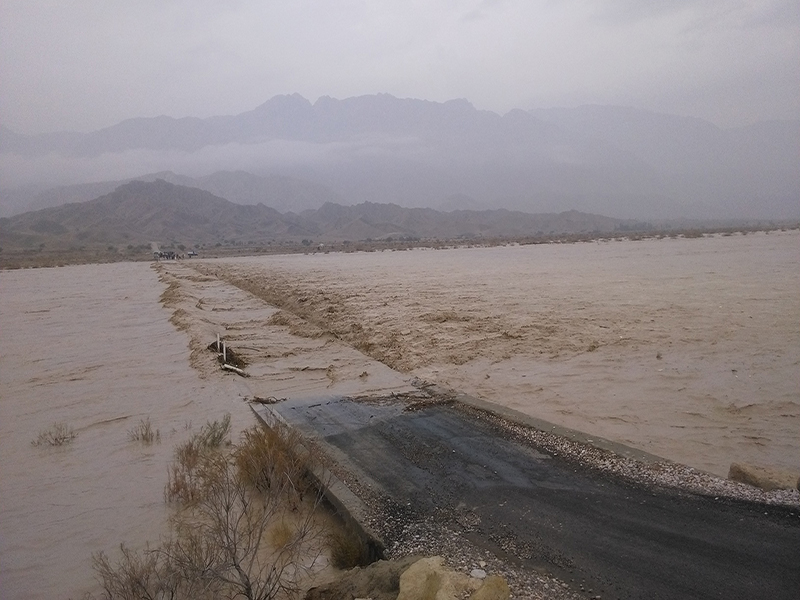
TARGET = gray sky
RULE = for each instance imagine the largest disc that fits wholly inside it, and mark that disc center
(87, 64)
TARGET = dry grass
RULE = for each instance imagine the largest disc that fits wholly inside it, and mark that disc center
(144, 432)
(58, 434)
(214, 433)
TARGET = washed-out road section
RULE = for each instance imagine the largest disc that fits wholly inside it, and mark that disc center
(604, 536)
(449, 467)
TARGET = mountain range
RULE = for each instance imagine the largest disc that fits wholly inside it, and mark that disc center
(140, 212)
(293, 155)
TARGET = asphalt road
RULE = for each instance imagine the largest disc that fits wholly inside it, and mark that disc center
(541, 512)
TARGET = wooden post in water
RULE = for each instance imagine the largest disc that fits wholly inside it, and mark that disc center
(217, 342)
(224, 353)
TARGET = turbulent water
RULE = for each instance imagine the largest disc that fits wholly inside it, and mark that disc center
(92, 347)
(687, 348)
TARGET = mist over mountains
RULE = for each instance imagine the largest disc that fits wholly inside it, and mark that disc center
(292, 155)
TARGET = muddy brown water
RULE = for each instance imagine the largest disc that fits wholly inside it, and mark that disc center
(90, 346)
(688, 349)
(685, 348)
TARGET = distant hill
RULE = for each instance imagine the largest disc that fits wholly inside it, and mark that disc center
(140, 212)
(618, 161)
(280, 192)
(377, 221)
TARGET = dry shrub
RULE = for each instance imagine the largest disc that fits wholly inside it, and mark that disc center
(243, 529)
(150, 573)
(144, 432)
(59, 434)
(271, 458)
(213, 434)
(184, 476)
(280, 534)
(347, 548)
(196, 461)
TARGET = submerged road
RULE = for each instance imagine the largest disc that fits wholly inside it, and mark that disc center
(540, 512)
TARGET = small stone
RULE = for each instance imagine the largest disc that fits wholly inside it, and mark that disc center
(478, 574)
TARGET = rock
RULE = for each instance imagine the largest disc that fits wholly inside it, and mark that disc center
(378, 581)
(766, 478)
(428, 579)
(421, 581)
(478, 574)
(494, 588)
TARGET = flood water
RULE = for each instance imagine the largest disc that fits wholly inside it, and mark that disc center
(688, 348)
(685, 348)
(90, 346)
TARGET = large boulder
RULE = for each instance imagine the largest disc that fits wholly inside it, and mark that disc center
(378, 581)
(429, 579)
(410, 578)
(494, 588)
(766, 478)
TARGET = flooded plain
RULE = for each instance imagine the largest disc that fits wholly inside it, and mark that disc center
(685, 348)
(92, 347)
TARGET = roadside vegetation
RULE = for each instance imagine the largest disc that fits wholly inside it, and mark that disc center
(246, 522)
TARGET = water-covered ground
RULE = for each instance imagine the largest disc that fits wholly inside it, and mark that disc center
(686, 348)
(90, 346)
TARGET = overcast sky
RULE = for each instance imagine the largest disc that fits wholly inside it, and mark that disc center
(86, 64)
